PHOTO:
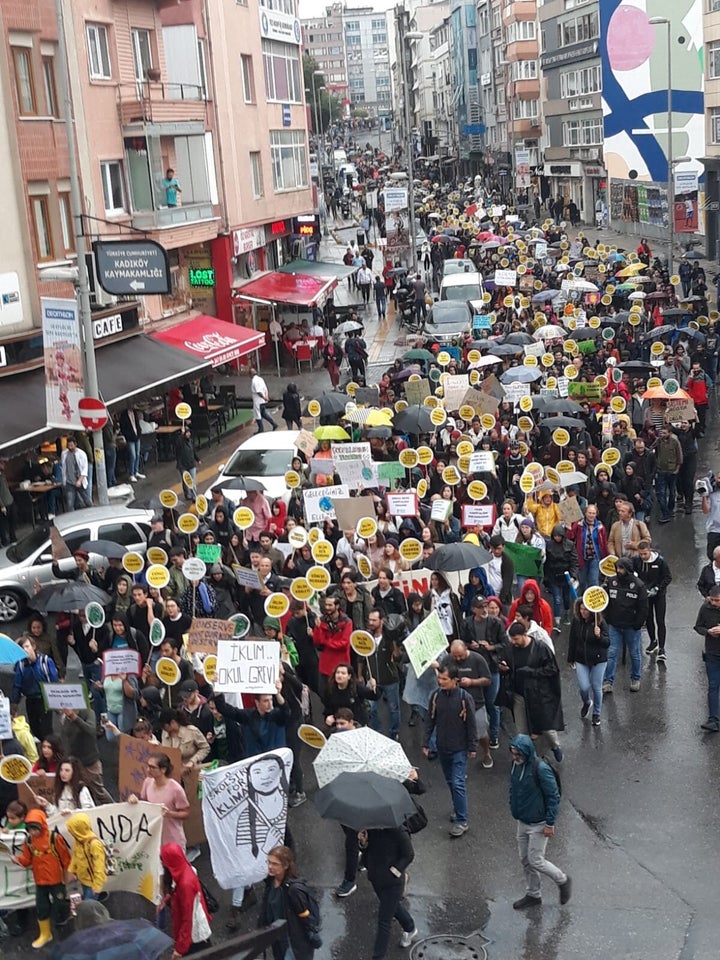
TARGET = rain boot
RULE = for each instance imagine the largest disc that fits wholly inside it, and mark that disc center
(45, 935)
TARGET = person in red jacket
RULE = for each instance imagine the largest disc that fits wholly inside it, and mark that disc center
(185, 891)
(48, 857)
(698, 386)
(542, 611)
(332, 638)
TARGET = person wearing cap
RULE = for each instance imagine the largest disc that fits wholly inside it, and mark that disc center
(195, 708)
(161, 536)
(544, 511)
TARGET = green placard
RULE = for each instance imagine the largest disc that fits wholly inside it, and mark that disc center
(527, 560)
(209, 552)
(391, 470)
(587, 346)
(584, 391)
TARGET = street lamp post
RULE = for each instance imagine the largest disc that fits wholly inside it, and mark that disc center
(404, 38)
(665, 21)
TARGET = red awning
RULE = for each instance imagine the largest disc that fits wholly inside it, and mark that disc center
(298, 289)
(212, 339)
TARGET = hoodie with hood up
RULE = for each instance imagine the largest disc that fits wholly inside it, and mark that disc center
(628, 607)
(48, 857)
(542, 611)
(186, 887)
(532, 799)
(88, 861)
(560, 557)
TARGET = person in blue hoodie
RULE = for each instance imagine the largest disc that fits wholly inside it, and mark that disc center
(34, 669)
(534, 803)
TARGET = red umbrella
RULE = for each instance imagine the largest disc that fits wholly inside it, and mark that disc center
(487, 235)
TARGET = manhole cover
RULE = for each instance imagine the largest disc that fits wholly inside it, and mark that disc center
(447, 947)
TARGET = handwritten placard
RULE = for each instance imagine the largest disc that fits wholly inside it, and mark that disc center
(204, 635)
(247, 666)
(121, 661)
(132, 763)
(65, 696)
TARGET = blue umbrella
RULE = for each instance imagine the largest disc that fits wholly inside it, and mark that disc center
(545, 295)
(10, 652)
(134, 939)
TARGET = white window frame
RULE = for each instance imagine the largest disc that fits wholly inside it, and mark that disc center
(715, 124)
(524, 70)
(42, 226)
(66, 223)
(523, 109)
(137, 35)
(521, 30)
(98, 45)
(273, 50)
(248, 78)
(581, 82)
(713, 60)
(106, 178)
(282, 141)
(586, 132)
(256, 175)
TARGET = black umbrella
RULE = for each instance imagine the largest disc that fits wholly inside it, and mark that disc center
(71, 595)
(519, 338)
(414, 419)
(691, 332)
(585, 333)
(365, 801)
(692, 255)
(378, 433)
(636, 366)
(243, 483)
(675, 312)
(457, 556)
(135, 939)
(331, 404)
(501, 349)
(552, 423)
(562, 405)
(658, 332)
(106, 548)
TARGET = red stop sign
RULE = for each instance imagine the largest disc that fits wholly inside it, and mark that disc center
(93, 413)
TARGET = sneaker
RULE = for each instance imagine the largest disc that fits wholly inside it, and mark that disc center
(407, 938)
(607, 686)
(346, 888)
(488, 762)
(295, 799)
(140, 476)
(565, 890)
(556, 625)
(192, 854)
(585, 709)
(567, 621)
(494, 743)
(132, 478)
(652, 647)
(527, 901)
(558, 754)
(458, 829)
(662, 657)
(634, 686)
(712, 726)
(596, 720)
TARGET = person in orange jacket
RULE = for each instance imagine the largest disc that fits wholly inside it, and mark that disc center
(48, 856)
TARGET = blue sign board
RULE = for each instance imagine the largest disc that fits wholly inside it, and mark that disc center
(482, 322)
(473, 129)
(286, 114)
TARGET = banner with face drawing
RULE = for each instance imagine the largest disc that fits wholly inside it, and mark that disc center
(244, 810)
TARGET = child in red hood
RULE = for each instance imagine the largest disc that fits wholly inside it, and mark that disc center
(186, 890)
(48, 857)
(542, 611)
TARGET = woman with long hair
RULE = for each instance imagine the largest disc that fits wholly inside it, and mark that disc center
(50, 756)
(345, 691)
(285, 897)
(70, 793)
(442, 599)
(159, 787)
(588, 646)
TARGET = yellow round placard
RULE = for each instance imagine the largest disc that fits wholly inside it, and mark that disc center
(243, 518)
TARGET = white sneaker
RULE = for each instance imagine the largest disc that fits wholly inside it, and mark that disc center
(192, 853)
(407, 938)
(132, 478)
(140, 476)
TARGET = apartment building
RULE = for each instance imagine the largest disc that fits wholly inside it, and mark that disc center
(324, 40)
(368, 60)
(711, 160)
(522, 86)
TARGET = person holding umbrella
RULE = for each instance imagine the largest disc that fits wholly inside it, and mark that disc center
(387, 855)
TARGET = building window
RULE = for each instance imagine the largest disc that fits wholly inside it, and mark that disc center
(521, 30)
(51, 99)
(248, 80)
(583, 133)
(714, 6)
(352, 25)
(142, 53)
(281, 6)
(579, 83)
(713, 59)
(256, 177)
(715, 124)
(66, 223)
(282, 71)
(22, 60)
(577, 29)
(289, 160)
(43, 233)
(98, 51)
(112, 184)
(524, 70)
(525, 109)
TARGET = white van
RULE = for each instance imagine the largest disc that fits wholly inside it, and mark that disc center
(462, 286)
(339, 158)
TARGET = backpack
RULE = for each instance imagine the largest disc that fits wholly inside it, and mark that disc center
(304, 900)
(416, 821)
(536, 775)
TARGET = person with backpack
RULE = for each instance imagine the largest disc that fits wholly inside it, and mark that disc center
(287, 897)
(35, 669)
(534, 803)
(88, 862)
(48, 856)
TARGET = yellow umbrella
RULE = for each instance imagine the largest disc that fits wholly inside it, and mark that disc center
(631, 270)
(369, 417)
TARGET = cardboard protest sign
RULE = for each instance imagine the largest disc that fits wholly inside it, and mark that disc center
(65, 696)
(203, 635)
(678, 410)
(126, 660)
(454, 389)
(481, 402)
(584, 391)
(349, 510)
(570, 511)
(425, 643)
(318, 502)
(247, 666)
(244, 808)
(37, 785)
(58, 547)
(133, 755)
(416, 391)
(350, 451)
(493, 386)
(306, 443)
(482, 461)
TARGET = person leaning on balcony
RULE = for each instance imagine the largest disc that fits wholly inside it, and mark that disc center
(171, 186)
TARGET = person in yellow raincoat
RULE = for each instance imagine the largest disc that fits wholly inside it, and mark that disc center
(88, 862)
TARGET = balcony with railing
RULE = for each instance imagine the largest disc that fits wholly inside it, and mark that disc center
(155, 101)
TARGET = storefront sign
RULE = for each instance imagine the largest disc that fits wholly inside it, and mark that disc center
(123, 321)
(247, 239)
(277, 229)
(279, 26)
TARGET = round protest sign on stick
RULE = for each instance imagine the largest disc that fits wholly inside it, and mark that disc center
(183, 411)
(188, 523)
(425, 455)
(157, 555)
(188, 480)
(167, 671)
(133, 562)
(477, 490)
(565, 466)
(409, 458)
(463, 463)
(618, 404)
(611, 456)
(157, 576)
(319, 577)
(410, 549)
(464, 448)
(561, 437)
(301, 590)
(367, 527)
(297, 537)
(312, 736)
(525, 404)
(193, 568)
(210, 668)
(422, 487)
(314, 408)
(201, 504)
(292, 479)
(364, 566)
(451, 476)
(474, 377)
(595, 599)
(362, 643)
(466, 412)
(443, 358)
(552, 475)
(168, 498)
(438, 416)
(547, 360)
(474, 356)
(526, 423)
(530, 361)
(657, 349)
(571, 371)
(654, 382)
(243, 518)
(322, 551)
(315, 534)
(95, 614)
(608, 566)
(15, 768)
(276, 605)
(242, 624)
(156, 633)
(527, 482)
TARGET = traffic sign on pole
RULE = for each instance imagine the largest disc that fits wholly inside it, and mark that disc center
(127, 268)
(93, 413)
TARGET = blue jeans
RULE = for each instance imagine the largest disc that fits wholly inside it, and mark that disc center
(589, 575)
(560, 597)
(712, 668)
(520, 583)
(590, 681)
(115, 718)
(454, 766)
(390, 692)
(75, 498)
(618, 637)
(87, 893)
(665, 490)
(493, 712)
(133, 449)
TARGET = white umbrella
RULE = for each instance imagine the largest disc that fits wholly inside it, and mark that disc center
(578, 283)
(572, 477)
(487, 361)
(637, 295)
(359, 751)
(549, 331)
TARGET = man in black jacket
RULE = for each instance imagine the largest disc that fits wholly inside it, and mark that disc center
(451, 712)
(383, 667)
(707, 625)
(654, 572)
(388, 854)
(626, 613)
(186, 460)
(388, 598)
(487, 635)
(710, 574)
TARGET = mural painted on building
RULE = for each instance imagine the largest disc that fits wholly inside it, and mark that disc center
(635, 81)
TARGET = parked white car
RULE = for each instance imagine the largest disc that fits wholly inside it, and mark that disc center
(265, 457)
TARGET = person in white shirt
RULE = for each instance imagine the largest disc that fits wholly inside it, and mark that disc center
(533, 628)
(260, 399)
(364, 282)
(74, 466)
(508, 523)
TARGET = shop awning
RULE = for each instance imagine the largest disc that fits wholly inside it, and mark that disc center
(212, 340)
(318, 268)
(129, 368)
(297, 289)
